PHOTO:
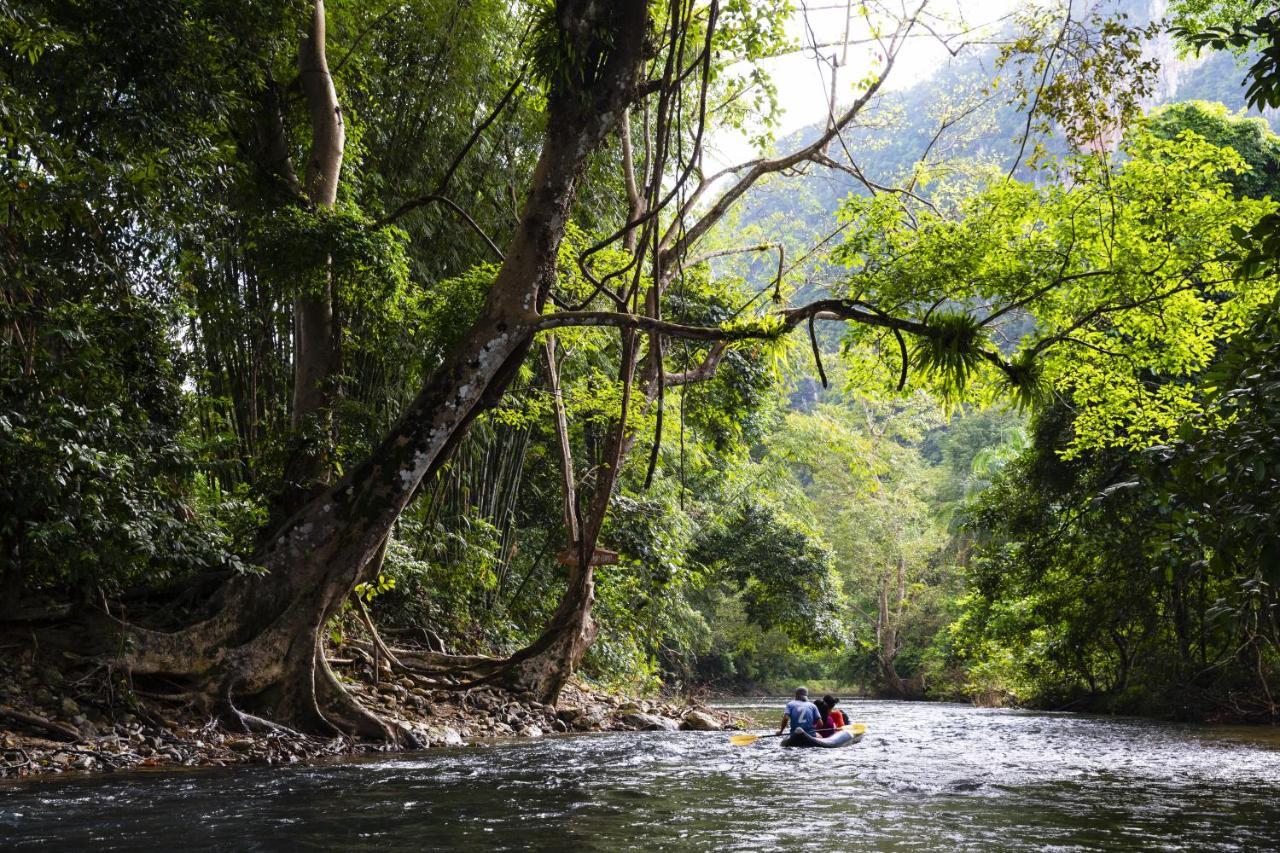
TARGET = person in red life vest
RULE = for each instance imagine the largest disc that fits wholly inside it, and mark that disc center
(832, 719)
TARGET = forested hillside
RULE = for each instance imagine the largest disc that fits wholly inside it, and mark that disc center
(348, 342)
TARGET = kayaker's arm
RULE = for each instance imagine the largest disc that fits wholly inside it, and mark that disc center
(786, 718)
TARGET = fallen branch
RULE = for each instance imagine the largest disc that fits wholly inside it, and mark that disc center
(61, 730)
(379, 646)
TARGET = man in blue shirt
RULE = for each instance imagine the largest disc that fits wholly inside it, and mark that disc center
(800, 713)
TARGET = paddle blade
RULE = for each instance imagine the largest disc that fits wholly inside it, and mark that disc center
(743, 740)
(855, 729)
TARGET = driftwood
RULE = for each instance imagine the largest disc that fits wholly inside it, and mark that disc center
(53, 727)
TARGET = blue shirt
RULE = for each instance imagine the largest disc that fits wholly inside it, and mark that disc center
(804, 715)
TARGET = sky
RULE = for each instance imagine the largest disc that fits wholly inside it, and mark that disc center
(804, 85)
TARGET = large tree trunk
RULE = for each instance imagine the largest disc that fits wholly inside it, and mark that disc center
(316, 349)
(261, 649)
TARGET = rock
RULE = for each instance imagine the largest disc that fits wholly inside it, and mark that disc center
(387, 688)
(559, 725)
(445, 736)
(84, 726)
(700, 721)
(43, 696)
(531, 731)
(641, 721)
(584, 719)
(69, 707)
(52, 676)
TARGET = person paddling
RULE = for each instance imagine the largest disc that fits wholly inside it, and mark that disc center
(800, 713)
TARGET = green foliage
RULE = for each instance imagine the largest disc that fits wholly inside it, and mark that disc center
(1238, 31)
(1126, 272)
(1220, 480)
(156, 242)
(372, 589)
(302, 246)
(1083, 78)
(96, 485)
(1134, 581)
(1250, 137)
(782, 575)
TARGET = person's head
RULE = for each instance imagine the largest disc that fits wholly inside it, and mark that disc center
(802, 693)
(830, 701)
(822, 705)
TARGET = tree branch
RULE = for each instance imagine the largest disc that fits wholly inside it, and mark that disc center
(675, 247)
(423, 201)
(703, 371)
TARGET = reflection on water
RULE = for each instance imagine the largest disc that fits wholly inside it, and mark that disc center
(927, 777)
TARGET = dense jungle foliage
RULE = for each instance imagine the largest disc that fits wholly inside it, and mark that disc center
(1020, 448)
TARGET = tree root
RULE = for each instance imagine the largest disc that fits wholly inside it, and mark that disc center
(345, 713)
(276, 680)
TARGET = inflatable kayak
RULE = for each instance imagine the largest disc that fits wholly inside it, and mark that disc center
(841, 738)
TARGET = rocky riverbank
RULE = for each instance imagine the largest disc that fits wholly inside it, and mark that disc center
(56, 719)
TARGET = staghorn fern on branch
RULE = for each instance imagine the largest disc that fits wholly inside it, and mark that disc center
(1025, 382)
(950, 352)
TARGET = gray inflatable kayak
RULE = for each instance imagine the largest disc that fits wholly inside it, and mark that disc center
(841, 738)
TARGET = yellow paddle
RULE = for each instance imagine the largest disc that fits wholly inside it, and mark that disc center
(745, 740)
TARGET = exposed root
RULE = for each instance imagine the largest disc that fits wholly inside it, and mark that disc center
(440, 660)
(275, 681)
(434, 663)
(346, 714)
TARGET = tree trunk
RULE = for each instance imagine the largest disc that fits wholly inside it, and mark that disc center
(261, 648)
(887, 635)
(316, 350)
(545, 667)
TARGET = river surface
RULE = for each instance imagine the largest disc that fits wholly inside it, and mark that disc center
(926, 777)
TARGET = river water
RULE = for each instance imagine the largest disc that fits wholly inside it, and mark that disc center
(926, 777)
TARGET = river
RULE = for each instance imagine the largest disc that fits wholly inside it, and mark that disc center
(926, 777)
